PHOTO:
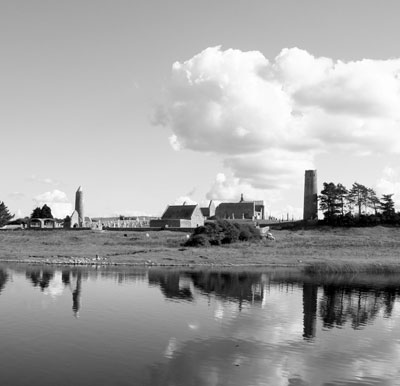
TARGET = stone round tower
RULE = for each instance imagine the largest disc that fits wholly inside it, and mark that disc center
(310, 196)
(79, 206)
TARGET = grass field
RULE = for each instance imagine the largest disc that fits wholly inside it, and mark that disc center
(314, 250)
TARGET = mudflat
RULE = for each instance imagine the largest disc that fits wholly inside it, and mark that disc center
(321, 248)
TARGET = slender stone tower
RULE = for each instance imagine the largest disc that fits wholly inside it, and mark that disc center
(79, 206)
(310, 196)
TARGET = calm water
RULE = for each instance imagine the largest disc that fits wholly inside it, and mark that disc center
(82, 326)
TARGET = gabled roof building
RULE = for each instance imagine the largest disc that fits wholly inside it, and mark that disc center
(208, 211)
(179, 216)
(242, 210)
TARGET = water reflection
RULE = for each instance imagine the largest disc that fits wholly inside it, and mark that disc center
(310, 296)
(190, 327)
(3, 279)
(170, 284)
(358, 305)
(342, 300)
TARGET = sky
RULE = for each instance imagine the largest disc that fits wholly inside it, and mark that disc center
(150, 103)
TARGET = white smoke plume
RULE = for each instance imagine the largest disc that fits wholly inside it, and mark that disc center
(269, 119)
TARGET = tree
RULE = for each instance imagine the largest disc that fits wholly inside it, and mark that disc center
(37, 213)
(5, 215)
(331, 200)
(342, 193)
(358, 195)
(373, 201)
(44, 212)
(387, 206)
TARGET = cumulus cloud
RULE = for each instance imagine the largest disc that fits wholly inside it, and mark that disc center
(184, 200)
(57, 201)
(389, 183)
(231, 189)
(269, 119)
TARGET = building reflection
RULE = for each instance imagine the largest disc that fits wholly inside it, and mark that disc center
(239, 287)
(76, 294)
(170, 285)
(310, 297)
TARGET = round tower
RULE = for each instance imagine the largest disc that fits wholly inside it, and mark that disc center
(310, 196)
(79, 206)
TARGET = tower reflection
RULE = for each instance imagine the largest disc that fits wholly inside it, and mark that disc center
(3, 279)
(310, 295)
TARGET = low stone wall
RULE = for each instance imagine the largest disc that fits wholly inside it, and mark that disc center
(152, 229)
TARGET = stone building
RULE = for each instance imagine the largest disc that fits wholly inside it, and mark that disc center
(43, 223)
(77, 216)
(180, 216)
(242, 210)
(208, 211)
(310, 209)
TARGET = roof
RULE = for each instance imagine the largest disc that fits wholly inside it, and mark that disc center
(235, 205)
(179, 212)
(205, 211)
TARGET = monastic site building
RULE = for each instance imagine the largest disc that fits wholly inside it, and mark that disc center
(310, 208)
(242, 210)
(77, 216)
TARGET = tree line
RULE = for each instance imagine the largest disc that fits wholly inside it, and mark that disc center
(6, 217)
(358, 205)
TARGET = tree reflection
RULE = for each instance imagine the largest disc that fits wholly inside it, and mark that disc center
(40, 278)
(3, 279)
(358, 305)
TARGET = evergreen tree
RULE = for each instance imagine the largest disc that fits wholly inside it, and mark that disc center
(373, 201)
(358, 195)
(46, 212)
(387, 206)
(342, 193)
(5, 215)
(37, 213)
(328, 201)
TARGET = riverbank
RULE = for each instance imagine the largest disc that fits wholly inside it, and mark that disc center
(318, 249)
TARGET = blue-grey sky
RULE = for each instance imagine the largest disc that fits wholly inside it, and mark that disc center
(90, 95)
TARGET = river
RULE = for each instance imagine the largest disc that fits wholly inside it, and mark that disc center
(152, 326)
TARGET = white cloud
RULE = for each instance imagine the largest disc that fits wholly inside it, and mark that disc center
(57, 201)
(389, 183)
(184, 200)
(269, 119)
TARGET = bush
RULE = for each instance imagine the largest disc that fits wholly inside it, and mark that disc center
(197, 240)
(229, 232)
(223, 232)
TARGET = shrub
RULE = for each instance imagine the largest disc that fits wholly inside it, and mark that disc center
(229, 232)
(244, 235)
(223, 232)
(197, 240)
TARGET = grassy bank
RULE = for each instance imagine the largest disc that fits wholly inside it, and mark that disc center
(315, 250)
